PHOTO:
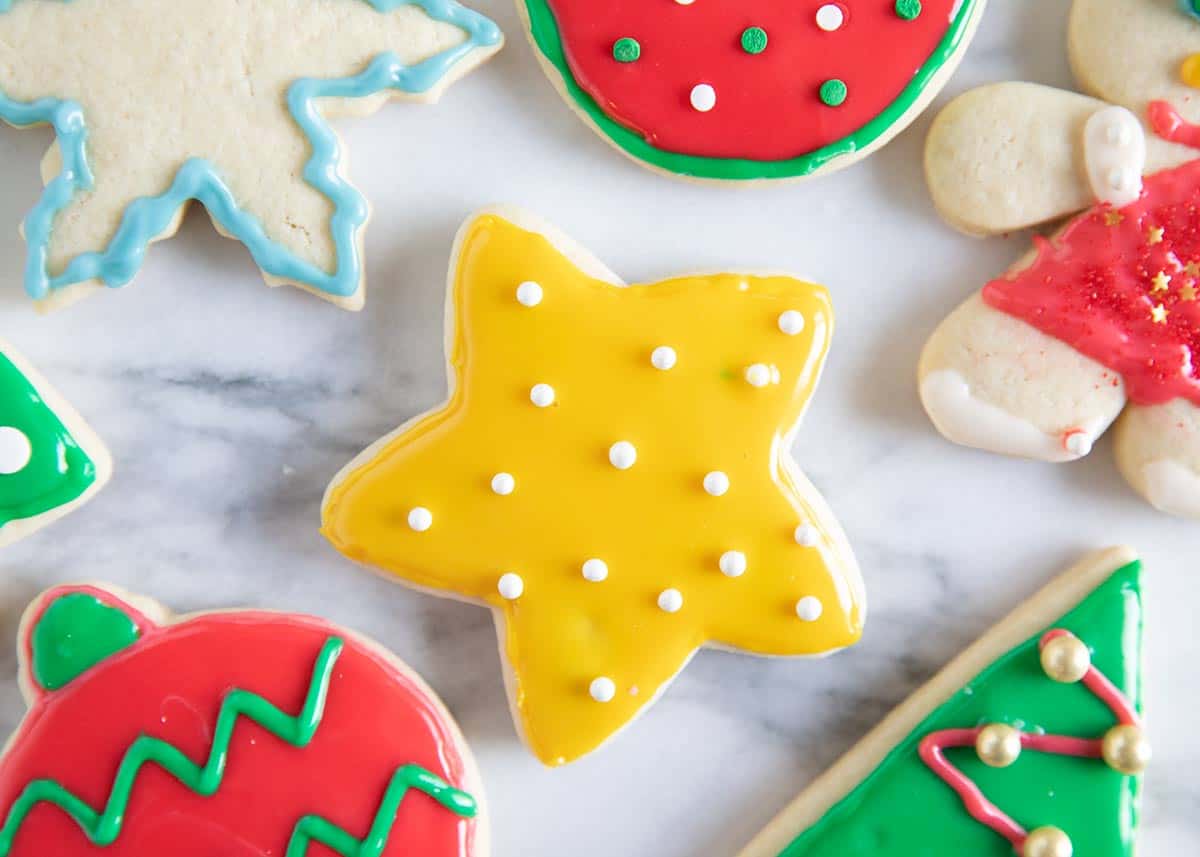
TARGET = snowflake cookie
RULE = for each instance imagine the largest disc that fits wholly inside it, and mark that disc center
(159, 103)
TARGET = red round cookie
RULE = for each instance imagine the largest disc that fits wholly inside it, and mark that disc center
(171, 682)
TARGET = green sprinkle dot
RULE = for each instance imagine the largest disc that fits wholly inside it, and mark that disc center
(754, 40)
(833, 92)
(626, 50)
(909, 10)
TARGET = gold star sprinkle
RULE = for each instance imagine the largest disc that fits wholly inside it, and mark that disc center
(610, 476)
(1112, 217)
(1159, 314)
(1188, 292)
(1154, 235)
(1162, 282)
(1192, 269)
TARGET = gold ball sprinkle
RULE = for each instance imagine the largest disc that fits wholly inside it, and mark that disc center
(1047, 842)
(998, 745)
(1126, 749)
(1066, 659)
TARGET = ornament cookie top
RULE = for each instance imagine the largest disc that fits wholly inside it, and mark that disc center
(1102, 317)
(239, 733)
(50, 460)
(714, 90)
(1030, 743)
(611, 475)
(156, 104)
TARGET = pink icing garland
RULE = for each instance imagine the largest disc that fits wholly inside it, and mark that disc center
(933, 747)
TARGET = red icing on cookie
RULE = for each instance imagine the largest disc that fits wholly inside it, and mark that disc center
(1121, 286)
(171, 684)
(768, 104)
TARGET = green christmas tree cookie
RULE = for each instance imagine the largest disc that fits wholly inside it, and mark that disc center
(1030, 743)
(50, 461)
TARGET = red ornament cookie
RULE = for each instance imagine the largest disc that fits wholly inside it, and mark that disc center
(735, 91)
(236, 733)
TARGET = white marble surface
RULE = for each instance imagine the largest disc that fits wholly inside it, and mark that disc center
(228, 406)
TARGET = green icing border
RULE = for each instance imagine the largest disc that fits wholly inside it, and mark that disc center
(544, 31)
(1119, 658)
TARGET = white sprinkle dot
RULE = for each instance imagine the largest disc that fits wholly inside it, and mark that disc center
(703, 97)
(602, 689)
(511, 586)
(670, 601)
(809, 608)
(791, 322)
(664, 357)
(716, 483)
(622, 454)
(1117, 134)
(733, 563)
(420, 519)
(529, 293)
(806, 535)
(830, 17)
(1078, 443)
(595, 570)
(542, 395)
(15, 450)
(503, 484)
(758, 375)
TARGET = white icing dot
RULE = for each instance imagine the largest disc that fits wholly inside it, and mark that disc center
(716, 483)
(503, 484)
(15, 450)
(420, 519)
(703, 97)
(685, 2)
(758, 375)
(595, 570)
(1118, 134)
(602, 689)
(542, 395)
(622, 454)
(830, 17)
(1078, 443)
(670, 601)
(664, 357)
(511, 586)
(809, 608)
(733, 563)
(529, 293)
(806, 535)
(791, 322)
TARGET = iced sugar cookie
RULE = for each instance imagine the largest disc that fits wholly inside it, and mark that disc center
(611, 476)
(238, 733)
(1102, 317)
(50, 460)
(1029, 743)
(721, 91)
(157, 104)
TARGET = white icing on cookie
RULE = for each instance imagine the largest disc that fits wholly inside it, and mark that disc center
(1114, 148)
(15, 450)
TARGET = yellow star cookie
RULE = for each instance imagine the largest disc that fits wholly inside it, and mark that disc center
(611, 475)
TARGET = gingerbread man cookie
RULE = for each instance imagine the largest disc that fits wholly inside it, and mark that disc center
(158, 104)
(238, 733)
(1102, 317)
(1030, 743)
(611, 476)
(50, 460)
(736, 92)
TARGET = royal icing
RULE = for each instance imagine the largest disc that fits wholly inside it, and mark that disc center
(733, 92)
(234, 733)
(997, 768)
(43, 467)
(34, 91)
(1114, 147)
(637, 485)
(1120, 285)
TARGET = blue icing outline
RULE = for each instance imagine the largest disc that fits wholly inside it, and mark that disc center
(198, 179)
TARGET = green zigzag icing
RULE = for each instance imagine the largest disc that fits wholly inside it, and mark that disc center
(103, 828)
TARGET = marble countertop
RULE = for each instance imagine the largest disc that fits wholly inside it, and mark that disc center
(229, 406)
